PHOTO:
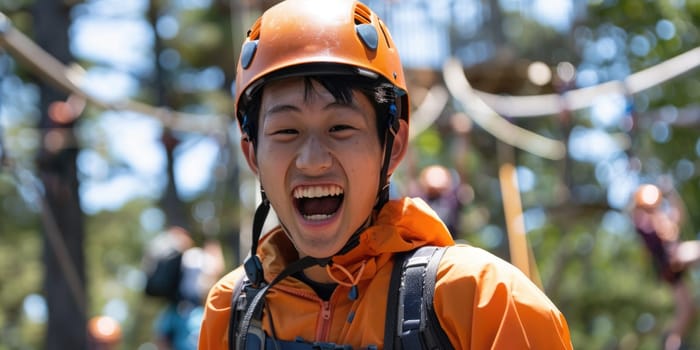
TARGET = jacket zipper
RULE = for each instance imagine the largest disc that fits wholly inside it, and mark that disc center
(324, 322)
(324, 317)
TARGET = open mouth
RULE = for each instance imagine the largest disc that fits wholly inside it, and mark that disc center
(316, 203)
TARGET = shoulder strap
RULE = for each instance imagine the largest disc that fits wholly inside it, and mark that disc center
(239, 303)
(258, 340)
(392, 302)
(411, 321)
(245, 324)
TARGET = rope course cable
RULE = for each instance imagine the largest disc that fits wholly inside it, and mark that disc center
(68, 79)
(548, 104)
(492, 122)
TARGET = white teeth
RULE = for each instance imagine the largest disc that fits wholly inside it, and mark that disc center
(317, 191)
(317, 217)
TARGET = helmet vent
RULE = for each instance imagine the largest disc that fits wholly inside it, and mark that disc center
(363, 15)
(364, 28)
(368, 35)
(254, 31)
(251, 45)
(384, 34)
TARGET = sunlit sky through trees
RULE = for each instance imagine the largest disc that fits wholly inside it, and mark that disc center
(120, 39)
(117, 37)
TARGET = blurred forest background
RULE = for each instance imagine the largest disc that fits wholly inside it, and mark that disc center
(90, 171)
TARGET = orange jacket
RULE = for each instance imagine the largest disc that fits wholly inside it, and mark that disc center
(482, 302)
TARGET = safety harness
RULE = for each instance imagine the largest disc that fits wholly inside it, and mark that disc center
(411, 322)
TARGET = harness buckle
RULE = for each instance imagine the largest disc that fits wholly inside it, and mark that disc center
(253, 269)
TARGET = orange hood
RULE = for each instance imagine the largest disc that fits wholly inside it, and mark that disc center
(482, 302)
(402, 225)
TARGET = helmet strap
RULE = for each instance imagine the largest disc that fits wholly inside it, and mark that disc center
(254, 311)
(252, 265)
(392, 128)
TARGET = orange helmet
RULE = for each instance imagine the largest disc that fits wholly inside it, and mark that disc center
(647, 196)
(298, 38)
(312, 37)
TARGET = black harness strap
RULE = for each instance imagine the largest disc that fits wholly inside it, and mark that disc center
(391, 329)
(239, 304)
(271, 343)
(419, 327)
(435, 335)
(255, 339)
(411, 322)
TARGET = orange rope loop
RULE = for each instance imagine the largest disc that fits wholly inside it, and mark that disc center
(353, 279)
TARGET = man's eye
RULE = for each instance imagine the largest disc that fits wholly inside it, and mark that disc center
(285, 132)
(341, 128)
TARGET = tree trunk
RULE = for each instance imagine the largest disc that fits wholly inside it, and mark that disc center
(172, 205)
(64, 280)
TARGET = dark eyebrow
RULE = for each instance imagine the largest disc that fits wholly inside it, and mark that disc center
(282, 108)
(292, 108)
(338, 104)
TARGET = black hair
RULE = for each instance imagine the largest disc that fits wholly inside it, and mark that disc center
(380, 94)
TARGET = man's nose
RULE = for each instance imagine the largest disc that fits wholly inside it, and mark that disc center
(313, 156)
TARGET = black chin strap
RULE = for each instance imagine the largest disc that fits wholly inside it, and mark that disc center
(392, 128)
(253, 266)
(255, 307)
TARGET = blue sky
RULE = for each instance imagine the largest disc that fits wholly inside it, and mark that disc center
(130, 138)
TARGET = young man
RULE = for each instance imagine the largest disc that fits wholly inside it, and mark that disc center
(321, 100)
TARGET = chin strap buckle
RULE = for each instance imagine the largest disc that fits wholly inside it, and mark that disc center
(253, 269)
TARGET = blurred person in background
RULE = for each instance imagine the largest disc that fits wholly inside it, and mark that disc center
(657, 218)
(180, 273)
(440, 187)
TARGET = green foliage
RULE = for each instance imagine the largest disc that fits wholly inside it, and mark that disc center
(21, 271)
(115, 246)
(430, 144)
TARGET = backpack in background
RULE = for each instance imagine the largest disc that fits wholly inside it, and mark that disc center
(162, 265)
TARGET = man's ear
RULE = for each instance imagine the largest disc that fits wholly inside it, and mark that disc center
(249, 152)
(400, 146)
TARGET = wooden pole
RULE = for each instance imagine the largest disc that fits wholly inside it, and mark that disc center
(520, 253)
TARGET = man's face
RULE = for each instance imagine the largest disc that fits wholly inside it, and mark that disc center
(318, 161)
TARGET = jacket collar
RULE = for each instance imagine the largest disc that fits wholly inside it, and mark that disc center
(402, 225)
